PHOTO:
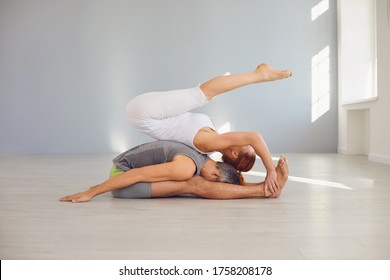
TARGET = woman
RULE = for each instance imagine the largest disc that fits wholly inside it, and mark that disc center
(165, 116)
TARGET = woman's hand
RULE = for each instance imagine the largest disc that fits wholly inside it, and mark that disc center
(271, 183)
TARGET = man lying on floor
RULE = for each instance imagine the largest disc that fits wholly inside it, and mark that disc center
(169, 168)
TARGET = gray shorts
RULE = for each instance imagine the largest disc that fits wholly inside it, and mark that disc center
(138, 190)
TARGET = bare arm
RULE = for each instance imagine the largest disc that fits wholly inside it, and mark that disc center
(223, 141)
(181, 168)
(219, 142)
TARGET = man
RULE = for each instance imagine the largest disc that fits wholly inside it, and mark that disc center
(157, 162)
(203, 188)
(165, 168)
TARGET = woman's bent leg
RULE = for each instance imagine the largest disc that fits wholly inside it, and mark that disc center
(165, 104)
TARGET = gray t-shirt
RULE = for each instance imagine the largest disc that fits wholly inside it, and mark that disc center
(157, 152)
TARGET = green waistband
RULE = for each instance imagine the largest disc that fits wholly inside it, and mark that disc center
(115, 171)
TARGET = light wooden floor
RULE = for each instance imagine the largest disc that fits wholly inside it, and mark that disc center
(333, 207)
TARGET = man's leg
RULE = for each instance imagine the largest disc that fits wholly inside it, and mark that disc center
(215, 190)
(201, 187)
(263, 73)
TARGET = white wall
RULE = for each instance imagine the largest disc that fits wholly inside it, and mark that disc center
(372, 117)
(68, 68)
(357, 56)
(380, 110)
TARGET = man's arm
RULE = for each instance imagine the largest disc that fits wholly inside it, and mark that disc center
(179, 169)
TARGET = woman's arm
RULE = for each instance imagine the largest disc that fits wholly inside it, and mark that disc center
(219, 142)
(223, 141)
(181, 168)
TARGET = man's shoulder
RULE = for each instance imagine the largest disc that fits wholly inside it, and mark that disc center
(167, 144)
(179, 147)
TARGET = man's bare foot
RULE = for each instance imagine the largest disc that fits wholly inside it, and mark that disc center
(265, 73)
(282, 173)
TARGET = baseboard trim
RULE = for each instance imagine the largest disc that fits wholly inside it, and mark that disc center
(379, 158)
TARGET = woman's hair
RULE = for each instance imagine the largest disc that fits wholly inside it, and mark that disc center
(229, 174)
(244, 162)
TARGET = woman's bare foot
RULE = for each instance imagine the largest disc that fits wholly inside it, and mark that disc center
(265, 73)
(282, 173)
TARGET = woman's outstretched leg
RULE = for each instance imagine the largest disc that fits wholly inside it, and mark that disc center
(263, 73)
(162, 115)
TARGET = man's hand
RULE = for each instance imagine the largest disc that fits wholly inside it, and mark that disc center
(271, 183)
(78, 197)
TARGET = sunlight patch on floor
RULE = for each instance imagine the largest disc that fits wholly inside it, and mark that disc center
(306, 181)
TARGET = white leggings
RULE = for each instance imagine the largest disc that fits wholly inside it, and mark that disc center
(165, 116)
